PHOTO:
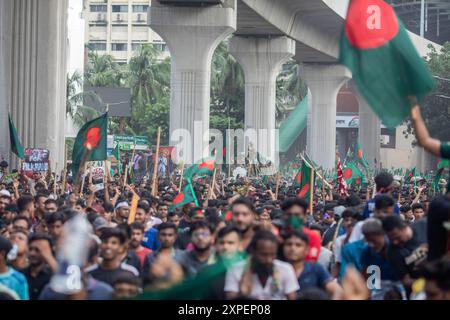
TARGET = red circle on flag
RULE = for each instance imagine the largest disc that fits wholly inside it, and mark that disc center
(92, 138)
(178, 198)
(358, 181)
(303, 191)
(348, 173)
(360, 154)
(209, 164)
(370, 24)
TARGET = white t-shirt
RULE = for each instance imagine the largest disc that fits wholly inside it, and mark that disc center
(153, 221)
(287, 282)
(337, 248)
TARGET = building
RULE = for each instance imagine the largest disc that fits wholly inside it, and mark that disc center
(119, 27)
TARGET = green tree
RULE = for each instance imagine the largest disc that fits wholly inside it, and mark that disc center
(436, 107)
(103, 71)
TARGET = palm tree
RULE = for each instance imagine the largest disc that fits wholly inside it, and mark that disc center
(103, 71)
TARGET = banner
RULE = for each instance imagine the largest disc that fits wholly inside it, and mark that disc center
(36, 160)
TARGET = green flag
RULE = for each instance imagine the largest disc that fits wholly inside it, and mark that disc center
(204, 167)
(184, 197)
(437, 178)
(360, 155)
(116, 154)
(16, 146)
(385, 65)
(305, 184)
(352, 174)
(90, 143)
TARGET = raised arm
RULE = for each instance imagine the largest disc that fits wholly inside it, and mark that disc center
(423, 137)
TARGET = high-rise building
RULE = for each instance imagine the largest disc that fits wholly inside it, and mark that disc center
(119, 27)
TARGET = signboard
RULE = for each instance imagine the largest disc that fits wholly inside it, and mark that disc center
(96, 168)
(347, 121)
(128, 142)
(36, 160)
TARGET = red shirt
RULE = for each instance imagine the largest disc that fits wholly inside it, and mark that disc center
(315, 243)
(142, 253)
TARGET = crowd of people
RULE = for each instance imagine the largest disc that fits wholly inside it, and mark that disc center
(388, 241)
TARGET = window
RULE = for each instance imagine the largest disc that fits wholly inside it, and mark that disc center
(97, 7)
(388, 138)
(118, 46)
(135, 46)
(160, 46)
(140, 8)
(120, 8)
(97, 46)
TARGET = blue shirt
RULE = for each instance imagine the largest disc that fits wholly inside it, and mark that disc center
(369, 257)
(370, 208)
(15, 281)
(313, 275)
(351, 255)
(151, 239)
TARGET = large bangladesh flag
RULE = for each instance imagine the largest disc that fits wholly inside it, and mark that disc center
(90, 144)
(352, 174)
(184, 197)
(203, 168)
(16, 146)
(305, 184)
(385, 65)
(360, 155)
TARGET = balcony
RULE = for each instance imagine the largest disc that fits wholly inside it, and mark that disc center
(139, 18)
(119, 18)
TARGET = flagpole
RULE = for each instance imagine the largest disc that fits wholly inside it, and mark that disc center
(80, 172)
(126, 175)
(311, 191)
(181, 177)
(64, 177)
(192, 191)
(213, 183)
(277, 185)
(318, 175)
(155, 169)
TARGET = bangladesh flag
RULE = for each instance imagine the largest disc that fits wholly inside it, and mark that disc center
(437, 178)
(90, 144)
(16, 146)
(385, 65)
(203, 168)
(360, 155)
(410, 174)
(298, 179)
(184, 197)
(352, 174)
(305, 184)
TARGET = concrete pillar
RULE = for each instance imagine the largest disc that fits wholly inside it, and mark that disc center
(36, 39)
(192, 34)
(5, 74)
(324, 81)
(369, 132)
(261, 59)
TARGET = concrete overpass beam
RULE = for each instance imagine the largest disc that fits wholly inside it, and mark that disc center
(261, 59)
(369, 132)
(324, 81)
(192, 34)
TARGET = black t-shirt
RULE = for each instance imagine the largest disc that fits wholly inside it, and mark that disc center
(109, 276)
(133, 260)
(407, 258)
(36, 284)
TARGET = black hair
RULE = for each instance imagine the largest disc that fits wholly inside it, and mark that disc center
(384, 201)
(39, 195)
(108, 207)
(24, 201)
(22, 217)
(93, 250)
(383, 180)
(227, 230)
(167, 225)
(295, 202)
(261, 235)
(107, 233)
(55, 217)
(126, 228)
(127, 277)
(438, 271)
(350, 213)
(81, 203)
(296, 234)
(5, 246)
(438, 213)
(417, 206)
(40, 236)
(12, 208)
(244, 201)
(174, 213)
(405, 208)
(199, 225)
(393, 222)
(49, 200)
(137, 226)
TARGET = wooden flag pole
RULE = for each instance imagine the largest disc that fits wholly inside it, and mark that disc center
(126, 175)
(318, 175)
(181, 177)
(277, 185)
(311, 191)
(213, 183)
(80, 172)
(155, 169)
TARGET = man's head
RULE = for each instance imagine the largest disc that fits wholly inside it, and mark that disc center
(263, 248)
(122, 210)
(437, 276)
(295, 246)
(25, 204)
(37, 243)
(163, 210)
(397, 230)
(243, 214)
(174, 217)
(50, 206)
(39, 201)
(373, 232)
(4, 202)
(5, 248)
(350, 217)
(137, 234)
(167, 234)
(418, 211)
(108, 211)
(37, 175)
(228, 241)
(126, 286)
(22, 223)
(295, 207)
(113, 242)
(20, 239)
(383, 182)
(142, 213)
(384, 206)
(54, 224)
(201, 236)
(196, 214)
(80, 205)
(407, 212)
